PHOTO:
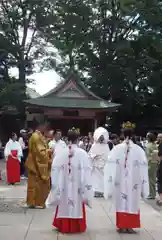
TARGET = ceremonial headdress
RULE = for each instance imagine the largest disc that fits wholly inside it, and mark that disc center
(128, 125)
(73, 134)
(74, 130)
(128, 129)
(101, 132)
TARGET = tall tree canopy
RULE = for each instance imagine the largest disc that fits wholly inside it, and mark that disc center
(116, 45)
(20, 42)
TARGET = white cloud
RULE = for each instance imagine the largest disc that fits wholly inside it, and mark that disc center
(44, 81)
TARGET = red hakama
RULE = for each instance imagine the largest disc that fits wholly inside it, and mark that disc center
(13, 168)
(70, 225)
(127, 220)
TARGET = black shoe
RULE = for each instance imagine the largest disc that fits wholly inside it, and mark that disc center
(130, 231)
(122, 230)
(31, 207)
(151, 198)
(159, 203)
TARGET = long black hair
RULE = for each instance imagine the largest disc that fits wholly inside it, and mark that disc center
(73, 136)
(13, 135)
(127, 133)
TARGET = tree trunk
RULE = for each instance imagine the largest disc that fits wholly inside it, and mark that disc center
(22, 80)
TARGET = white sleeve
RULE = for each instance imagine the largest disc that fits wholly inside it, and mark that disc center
(51, 145)
(21, 142)
(110, 174)
(86, 179)
(20, 152)
(57, 181)
(92, 151)
(7, 150)
(144, 174)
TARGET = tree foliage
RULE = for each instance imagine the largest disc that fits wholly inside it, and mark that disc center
(20, 42)
(116, 45)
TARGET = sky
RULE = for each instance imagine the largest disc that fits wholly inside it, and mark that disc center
(44, 81)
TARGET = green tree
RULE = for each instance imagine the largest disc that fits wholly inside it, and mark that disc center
(21, 45)
(19, 33)
(11, 93)
(115, 45)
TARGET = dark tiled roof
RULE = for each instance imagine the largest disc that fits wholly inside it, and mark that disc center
(72, 76)
(71, 103)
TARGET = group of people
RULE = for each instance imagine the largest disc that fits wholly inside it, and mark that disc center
(67, 175)
(153, 149)
(120, 174)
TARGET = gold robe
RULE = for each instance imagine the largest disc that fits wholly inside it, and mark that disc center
(38, 164)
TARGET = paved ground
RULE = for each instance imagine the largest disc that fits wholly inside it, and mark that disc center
(17, 222)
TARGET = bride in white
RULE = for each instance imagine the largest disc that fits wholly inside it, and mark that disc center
(99, 154)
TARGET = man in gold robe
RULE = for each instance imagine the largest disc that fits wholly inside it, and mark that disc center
(38, 164)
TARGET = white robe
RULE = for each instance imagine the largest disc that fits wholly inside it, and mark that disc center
(57, 145)
(127, 184)
(99, 154)
(13, 145)
(69, 191)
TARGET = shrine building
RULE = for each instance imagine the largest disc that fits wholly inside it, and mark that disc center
(69, 104)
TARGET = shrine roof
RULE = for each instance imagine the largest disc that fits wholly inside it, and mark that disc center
(71, 93)
(71, 103)
(72, 82)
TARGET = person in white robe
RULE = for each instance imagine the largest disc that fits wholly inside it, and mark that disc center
(99, 154)
(13, 154)
(24, 145)
(126, 180)
(57, 144)
(71, 187)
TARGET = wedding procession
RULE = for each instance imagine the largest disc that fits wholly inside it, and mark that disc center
(65, 177)
(80, 119)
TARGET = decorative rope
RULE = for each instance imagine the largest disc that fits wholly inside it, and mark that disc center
(127, 151)
(70, 156)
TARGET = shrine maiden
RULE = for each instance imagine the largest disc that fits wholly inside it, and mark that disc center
(99, 154)
(13, 154)
(126, 180)
(71, 187)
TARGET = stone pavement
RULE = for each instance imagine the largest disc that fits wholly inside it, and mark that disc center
(21, 223)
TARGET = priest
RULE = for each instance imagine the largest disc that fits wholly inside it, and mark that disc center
(71, 187)
(99, 155)
(126, 180)
(38, 164)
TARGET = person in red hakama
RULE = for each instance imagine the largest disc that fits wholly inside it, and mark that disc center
(126, 180)
(13, 154)
(71, 187)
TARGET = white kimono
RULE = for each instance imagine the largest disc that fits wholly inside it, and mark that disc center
(57, 145)
(70, 190)
(126, 183)
(99, 154)
(13, 145)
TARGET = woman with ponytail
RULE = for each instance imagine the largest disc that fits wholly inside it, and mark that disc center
(71, 187)
(126, 180)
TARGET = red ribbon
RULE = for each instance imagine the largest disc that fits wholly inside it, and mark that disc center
(70, 155)
(126, 156)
